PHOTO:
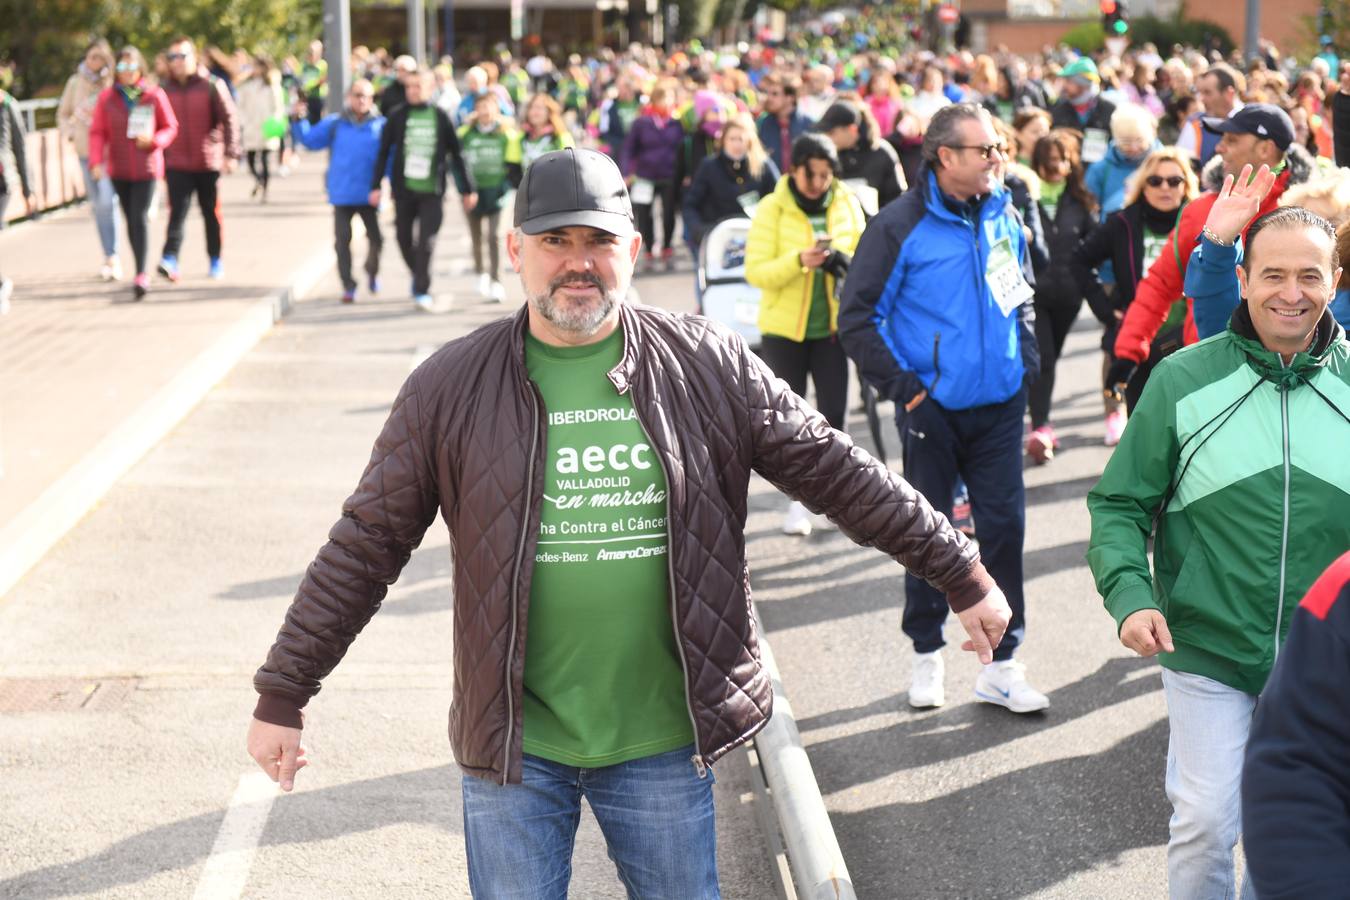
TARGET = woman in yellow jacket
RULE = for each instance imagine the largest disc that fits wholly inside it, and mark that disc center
(801, 241)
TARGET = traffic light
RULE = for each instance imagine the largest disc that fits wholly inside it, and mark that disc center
(1114, 21)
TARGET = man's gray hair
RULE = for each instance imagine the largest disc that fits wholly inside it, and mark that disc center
(944, 130)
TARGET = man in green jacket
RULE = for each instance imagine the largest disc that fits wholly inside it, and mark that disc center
(1235, 462)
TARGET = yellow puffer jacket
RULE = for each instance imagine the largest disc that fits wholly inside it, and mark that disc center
(778, 233)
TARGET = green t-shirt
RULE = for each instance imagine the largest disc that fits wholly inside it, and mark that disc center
(1051, 193)
(627, 111)
(485, 155)
(603, 679)
(419, 151)
(818, 318)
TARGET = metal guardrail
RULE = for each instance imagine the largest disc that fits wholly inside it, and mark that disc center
(38, 113)
(818, 868)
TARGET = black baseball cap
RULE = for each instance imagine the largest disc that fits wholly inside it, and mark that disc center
(1261, 119)
(573, 187)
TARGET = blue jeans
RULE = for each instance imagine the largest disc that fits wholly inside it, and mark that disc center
(982, 446)
(656, 815)
(103, 200)
(1208, 725)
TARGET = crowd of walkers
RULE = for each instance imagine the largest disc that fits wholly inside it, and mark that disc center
(935, 223)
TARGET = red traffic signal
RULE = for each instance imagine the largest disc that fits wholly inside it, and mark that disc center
(1108, 7)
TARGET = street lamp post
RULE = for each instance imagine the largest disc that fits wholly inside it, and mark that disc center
(337, 50)
(1251, 43)
(417, 41)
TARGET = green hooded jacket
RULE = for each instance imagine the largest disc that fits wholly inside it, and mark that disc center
(1248, 461)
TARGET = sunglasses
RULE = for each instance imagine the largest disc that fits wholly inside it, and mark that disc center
(985, 150)
(174, 57)
(1172, 181)
(128, 67)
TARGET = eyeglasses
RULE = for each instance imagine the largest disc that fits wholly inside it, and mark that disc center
(128, 67)
(174, 57)
(985, 150)
(1172, 181)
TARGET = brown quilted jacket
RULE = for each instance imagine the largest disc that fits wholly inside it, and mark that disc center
(465, 439)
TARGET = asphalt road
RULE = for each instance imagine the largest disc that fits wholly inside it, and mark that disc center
(167, 597)
(169, 593)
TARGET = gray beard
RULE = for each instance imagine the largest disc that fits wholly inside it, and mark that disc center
(584, 321)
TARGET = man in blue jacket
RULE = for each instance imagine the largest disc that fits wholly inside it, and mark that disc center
(353, 142)
(937, 314)
(1296, 780)
(782, 123)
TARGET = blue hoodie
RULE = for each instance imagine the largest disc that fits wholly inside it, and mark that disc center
(1107, 176)
(352, 148)
(918, 313)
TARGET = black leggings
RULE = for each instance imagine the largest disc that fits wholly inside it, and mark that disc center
(1054, 318)
(823, 359)
(135, 198)
(425, 212)
(257, 164)
(667, 192)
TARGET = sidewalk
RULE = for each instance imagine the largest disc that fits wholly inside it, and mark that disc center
(88, 381)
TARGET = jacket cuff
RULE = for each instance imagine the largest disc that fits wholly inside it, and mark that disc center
(277, 710)
(1129, 600)
(974, 587)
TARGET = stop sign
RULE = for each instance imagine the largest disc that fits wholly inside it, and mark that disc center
(947, 14)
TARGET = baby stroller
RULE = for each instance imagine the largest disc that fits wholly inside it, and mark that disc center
(726, 297)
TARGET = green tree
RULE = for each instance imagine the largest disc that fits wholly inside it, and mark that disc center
(45, 39)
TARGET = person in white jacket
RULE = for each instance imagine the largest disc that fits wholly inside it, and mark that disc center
(262, 111)
(73, 116)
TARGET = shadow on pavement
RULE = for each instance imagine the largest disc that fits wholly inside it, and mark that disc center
(922, 739)
(426, 797)
(1041, 825)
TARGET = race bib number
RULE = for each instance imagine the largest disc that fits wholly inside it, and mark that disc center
(642, 192)
(417, 165)
(141, 122)
(1095, 141)
(1004, 275)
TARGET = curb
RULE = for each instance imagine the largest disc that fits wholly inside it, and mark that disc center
(40, 525)
(813, 855)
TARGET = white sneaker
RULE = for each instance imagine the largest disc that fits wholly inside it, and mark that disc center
(115, 265)
(497, 292)
(6, 289)
(1005, 684)
(822, 523)
(925, 681)
(484, 285)
(798, 520)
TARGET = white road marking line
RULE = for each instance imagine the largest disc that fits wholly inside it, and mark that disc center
(422, 354)
(227, 868)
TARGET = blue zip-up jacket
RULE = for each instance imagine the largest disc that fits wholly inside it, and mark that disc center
(917, 312)
(352, 148)
(1107, 176)
(1212, 285)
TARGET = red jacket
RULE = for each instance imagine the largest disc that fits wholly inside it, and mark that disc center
(1161, 285)
(208, 126)
(108, 142)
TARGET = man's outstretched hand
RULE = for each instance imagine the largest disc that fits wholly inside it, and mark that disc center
(277, 750)
(985, 622)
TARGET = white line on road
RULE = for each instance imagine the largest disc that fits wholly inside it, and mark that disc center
(227, 868)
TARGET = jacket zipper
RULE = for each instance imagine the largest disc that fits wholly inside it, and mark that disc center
(515, 587)
(1284, 534)
(937, 369)
(697, 759)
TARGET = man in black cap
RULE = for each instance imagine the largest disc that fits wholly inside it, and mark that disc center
(591, 460)
(1257, 135)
